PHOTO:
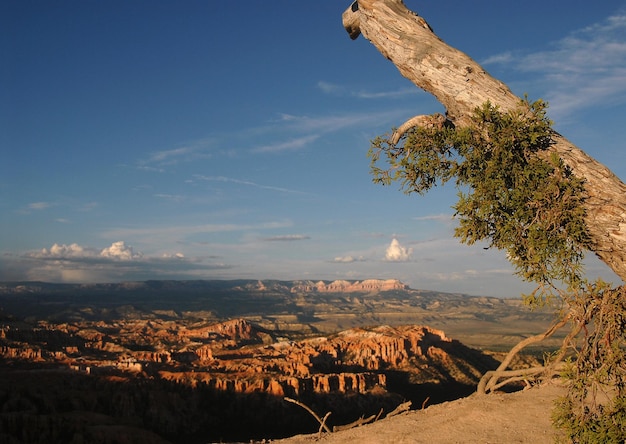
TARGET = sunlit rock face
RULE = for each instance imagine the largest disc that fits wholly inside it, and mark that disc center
(341, 286)
(353, 361)
(200, 361)
(238, 356)
(181, 376)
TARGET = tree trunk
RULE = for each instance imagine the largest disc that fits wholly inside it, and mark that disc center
(462, 85)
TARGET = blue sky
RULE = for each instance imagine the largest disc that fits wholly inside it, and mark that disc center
(221, 139)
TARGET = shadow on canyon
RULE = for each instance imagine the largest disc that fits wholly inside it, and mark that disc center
(52, 405)
(245, 336)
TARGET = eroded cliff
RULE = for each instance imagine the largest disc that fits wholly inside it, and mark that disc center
(151, 374)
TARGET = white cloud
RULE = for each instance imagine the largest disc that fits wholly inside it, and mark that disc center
(173, 256)
(120, 251)
(117, 262)
(62, 251)
(116, 251)
(586, 68)
(348, 259)
(397, 253)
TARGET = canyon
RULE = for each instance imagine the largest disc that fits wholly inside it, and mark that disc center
(160, 361)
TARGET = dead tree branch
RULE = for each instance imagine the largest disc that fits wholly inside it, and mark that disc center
(359, 422)
(489, 380)
(308, 409)
(405, 406)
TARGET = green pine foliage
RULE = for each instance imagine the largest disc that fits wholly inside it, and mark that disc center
(530, 206)
(518, 197)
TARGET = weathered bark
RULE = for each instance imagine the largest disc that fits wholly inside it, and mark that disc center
(462, 85)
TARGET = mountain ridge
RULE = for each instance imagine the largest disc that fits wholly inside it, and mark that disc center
(295, 285)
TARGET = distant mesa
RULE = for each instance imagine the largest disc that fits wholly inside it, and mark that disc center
(341, 286)
(338, 286)
(294, 286)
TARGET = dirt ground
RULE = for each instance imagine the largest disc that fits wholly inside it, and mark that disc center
(520, 417)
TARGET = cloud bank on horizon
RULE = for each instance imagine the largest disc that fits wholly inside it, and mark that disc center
(174, 153)
(118, 262)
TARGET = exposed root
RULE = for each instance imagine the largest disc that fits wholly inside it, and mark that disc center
(490, 380)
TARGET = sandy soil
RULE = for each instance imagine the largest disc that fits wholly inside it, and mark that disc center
(521, 417)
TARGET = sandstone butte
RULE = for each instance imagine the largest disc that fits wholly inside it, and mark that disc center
(341, 286)
(237, 356)
(337, 286)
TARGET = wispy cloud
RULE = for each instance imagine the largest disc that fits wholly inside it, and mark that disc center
(171, 156)
(150, 168)
(198, 149)
(284, 134)
(342, 90)
(171, 197)
(436, 217)
(35, 207)
(584, 69)
(387, 94)
(66, 203)
(287, 238)
(348, 259)
(246, 183)
(289, 145)
(330, 88)
(39, 205)
(178, 232)
(503, 58)
(331, 123)
(89, 206)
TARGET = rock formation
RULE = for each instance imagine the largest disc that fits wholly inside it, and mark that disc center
(342, 286)
(235, 355)
(186, 377)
